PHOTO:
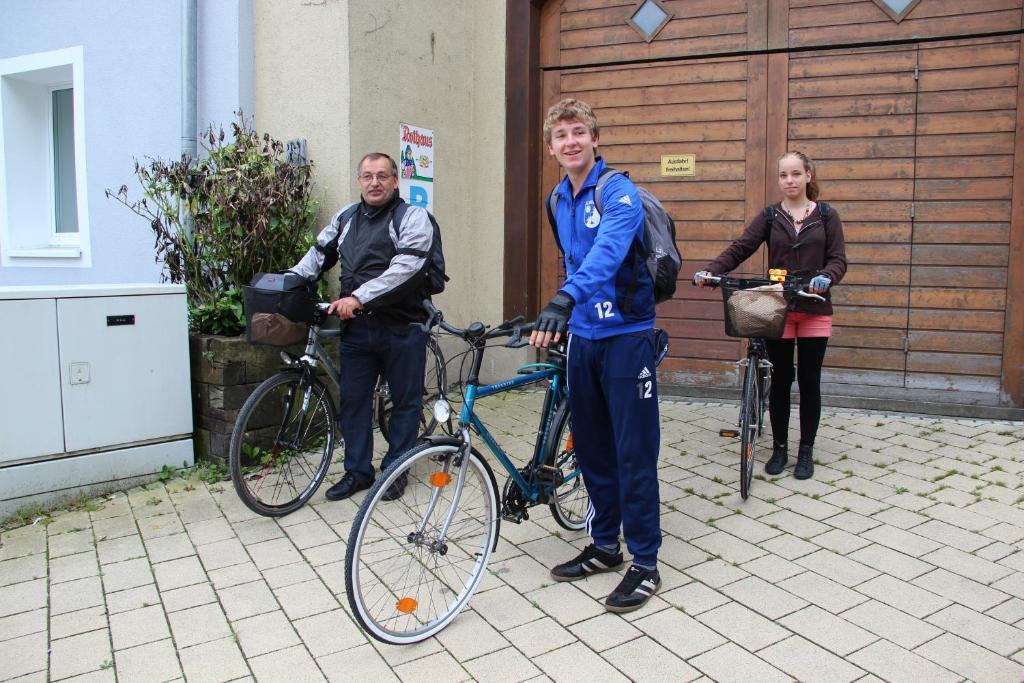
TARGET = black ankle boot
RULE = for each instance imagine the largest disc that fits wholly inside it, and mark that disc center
(778, 459)
(804, 462)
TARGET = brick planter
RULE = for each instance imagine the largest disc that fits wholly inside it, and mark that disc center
(225, 370)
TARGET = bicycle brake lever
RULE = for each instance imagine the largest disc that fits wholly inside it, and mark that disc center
(433, 315)
(516, 341)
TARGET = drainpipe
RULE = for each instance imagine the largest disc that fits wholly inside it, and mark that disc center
(188, 77)
(189, 60)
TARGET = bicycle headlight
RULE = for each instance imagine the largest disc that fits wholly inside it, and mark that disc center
(442, 410)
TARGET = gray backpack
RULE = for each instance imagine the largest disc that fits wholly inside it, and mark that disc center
(658, 248)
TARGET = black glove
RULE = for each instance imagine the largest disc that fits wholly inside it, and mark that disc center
(555, 316)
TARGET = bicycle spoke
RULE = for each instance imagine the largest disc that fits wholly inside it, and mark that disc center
(288, 445)
(405, 580)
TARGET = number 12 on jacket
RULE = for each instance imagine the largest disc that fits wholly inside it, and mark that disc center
(604, 309)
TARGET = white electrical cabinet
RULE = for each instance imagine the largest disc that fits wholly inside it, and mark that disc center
(95, 387)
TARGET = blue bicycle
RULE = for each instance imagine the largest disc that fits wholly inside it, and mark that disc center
(412, 564)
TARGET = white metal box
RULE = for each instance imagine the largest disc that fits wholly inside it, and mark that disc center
(95, 389)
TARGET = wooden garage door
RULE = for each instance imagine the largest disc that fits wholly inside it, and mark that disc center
(915, 149)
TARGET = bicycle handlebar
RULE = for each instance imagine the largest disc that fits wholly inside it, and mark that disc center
(477, 331)
(795, 287)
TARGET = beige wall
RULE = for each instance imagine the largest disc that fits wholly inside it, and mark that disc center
(441, 65)
(303, 87)
(344, 74)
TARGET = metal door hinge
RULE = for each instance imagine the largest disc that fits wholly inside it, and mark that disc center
(912, 210)
(917, 72)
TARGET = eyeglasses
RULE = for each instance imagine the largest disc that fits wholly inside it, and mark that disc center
(367, 178)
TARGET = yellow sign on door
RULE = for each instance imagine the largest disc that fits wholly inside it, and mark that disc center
(679, 164)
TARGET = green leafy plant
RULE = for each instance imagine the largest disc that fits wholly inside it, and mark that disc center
(240, 209)
(210, 471)
(167, 473)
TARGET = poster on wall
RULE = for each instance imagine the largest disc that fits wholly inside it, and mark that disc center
(416, 165)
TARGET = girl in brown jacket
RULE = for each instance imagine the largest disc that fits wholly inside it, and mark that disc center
(811, 248)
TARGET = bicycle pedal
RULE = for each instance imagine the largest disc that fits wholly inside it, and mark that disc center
(516, 517)
(730, 433)
(548, 475)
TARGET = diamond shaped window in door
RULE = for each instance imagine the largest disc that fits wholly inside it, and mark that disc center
(648, 19)
(897, 9)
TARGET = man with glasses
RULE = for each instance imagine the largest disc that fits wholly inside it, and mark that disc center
(380, 297)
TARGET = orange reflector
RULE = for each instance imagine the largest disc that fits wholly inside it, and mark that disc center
(439, 479)
(568, 442)
(406, 605)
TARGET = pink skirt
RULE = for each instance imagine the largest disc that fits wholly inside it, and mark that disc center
(807, 325)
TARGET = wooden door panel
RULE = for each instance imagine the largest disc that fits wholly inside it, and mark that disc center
(964, 167)
(956, 321)
(981, 342)
(959, 276)
(983, 99)
(864, 105)
(868, 337)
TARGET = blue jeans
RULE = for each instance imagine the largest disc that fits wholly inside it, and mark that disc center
(369, 349)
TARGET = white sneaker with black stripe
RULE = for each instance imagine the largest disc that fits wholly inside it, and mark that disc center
(635, 589)
(591, 561)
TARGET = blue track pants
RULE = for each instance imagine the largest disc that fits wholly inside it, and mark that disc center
(613, 394)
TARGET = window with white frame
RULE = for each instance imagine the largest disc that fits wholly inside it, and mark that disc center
(44, 218)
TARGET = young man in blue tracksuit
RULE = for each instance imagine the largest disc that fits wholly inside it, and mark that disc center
(607, 304)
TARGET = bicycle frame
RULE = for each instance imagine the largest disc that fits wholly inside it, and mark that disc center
(468, 418)
(555, 393)
(314, 354)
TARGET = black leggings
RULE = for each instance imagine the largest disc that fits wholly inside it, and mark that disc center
(808, 374)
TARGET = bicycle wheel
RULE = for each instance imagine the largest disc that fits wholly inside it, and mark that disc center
(282, 443)
(571, 500)
(405, 580)
(750, 408)
(435, 378)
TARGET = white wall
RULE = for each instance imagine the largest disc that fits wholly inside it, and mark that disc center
(132, 77)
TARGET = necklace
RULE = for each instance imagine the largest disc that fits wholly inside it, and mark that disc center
(798, 221)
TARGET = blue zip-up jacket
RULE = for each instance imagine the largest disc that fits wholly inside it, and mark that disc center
(601, 264)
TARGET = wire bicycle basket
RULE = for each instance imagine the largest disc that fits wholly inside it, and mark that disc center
(755, 309)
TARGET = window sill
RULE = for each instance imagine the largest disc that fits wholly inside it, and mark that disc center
(46, 252)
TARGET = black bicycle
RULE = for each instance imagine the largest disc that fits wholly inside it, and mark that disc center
(286, 432)
(755, 308)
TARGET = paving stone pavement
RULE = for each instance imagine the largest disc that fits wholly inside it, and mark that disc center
(902, 560)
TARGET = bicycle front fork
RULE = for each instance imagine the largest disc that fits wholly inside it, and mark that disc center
(438, 544)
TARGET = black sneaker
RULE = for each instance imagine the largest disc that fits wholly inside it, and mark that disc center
(397, 487)
(591, 561)
(777, 463)
(804, 462)
(635, 589)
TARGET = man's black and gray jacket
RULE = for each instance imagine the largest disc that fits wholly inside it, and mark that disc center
(379, 265)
